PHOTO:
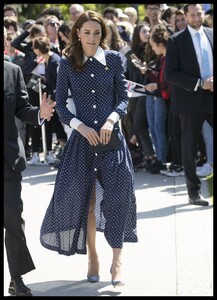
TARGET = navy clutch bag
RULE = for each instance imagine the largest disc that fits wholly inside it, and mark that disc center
(113, 144)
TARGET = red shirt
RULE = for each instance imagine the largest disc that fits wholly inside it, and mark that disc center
(165, 89)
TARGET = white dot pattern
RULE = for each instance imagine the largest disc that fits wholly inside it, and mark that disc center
(64, 227)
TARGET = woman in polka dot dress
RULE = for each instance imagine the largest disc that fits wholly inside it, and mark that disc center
(93, 191)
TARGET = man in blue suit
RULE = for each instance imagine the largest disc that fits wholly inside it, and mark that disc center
(192, 94)
(16, 104)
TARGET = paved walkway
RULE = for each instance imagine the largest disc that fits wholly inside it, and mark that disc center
(174, 255)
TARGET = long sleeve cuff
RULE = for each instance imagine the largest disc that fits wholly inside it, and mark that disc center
(197, 85)
(74, 123)
(40, 121)
(114, 116)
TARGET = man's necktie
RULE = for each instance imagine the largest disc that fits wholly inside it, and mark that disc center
(205, 67)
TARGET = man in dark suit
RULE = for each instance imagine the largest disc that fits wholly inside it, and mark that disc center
(192, 95)
(16, 104)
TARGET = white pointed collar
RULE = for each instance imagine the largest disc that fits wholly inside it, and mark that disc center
(193, 31)
(99, 55)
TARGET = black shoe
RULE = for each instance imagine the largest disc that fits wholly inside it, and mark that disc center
(159, 168)
(196, 200)
(151, 164)
(201, 161)
(18, 288)
(142, 165)
(56, 165)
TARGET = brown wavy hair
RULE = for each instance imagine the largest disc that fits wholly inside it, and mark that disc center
(74, 51)
(159, 34)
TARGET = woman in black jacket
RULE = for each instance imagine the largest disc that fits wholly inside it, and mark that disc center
(24, 43)
(137, 105)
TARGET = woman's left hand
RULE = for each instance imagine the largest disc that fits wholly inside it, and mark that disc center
(106, 131)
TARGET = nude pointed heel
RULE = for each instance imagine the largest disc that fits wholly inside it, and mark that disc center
(116, 282)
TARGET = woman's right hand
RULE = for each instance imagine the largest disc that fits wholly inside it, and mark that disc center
(143, 68)
(89, 133)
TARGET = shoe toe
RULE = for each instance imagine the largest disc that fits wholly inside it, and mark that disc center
(205, 170)
(198, 201)
(19, 289)
(117, 283)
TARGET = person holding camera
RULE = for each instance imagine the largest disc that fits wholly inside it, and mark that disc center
(41, 47)
(33, 68)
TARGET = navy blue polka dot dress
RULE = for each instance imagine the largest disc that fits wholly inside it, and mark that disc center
(64, 227)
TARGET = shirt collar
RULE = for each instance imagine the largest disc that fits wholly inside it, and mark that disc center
(193, 31)
(99, 55)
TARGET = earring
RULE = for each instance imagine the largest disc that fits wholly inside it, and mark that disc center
(79, 39)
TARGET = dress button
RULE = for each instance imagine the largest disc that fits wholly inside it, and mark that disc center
(94, 106)
(93, 91)
(96, 154)
(95, 169)
(92, 75)
(91, 59)
(95, 122)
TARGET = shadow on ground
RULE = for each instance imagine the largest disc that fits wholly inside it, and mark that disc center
(73, 288)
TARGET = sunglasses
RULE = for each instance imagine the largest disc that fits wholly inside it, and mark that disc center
(53, 23)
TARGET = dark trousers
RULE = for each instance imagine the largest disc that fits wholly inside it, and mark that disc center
(58, 127)
(174, 132)
(138, 118)
(191, 126)
(35, 130)
(18, 255)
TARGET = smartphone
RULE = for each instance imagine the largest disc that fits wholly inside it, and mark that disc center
(136, 61)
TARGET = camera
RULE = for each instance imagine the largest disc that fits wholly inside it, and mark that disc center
(34, 83)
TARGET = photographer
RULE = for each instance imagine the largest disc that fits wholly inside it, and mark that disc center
(32, 64)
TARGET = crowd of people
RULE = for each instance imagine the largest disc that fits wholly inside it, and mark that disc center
(165, 127)
(152, 130)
